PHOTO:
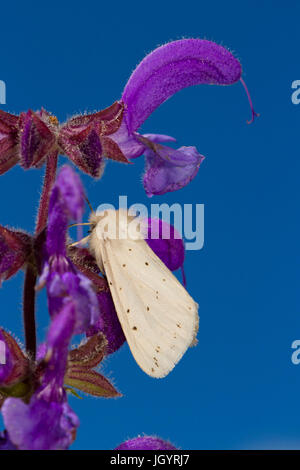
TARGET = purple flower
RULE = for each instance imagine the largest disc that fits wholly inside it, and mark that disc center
(47, 422)
(146, 443)
(166, 243)
(168, 169)
(108, 323)
(161, 74)
(65, 284)
(5, 443)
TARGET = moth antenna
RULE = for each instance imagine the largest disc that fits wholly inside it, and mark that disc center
(76, 225)
(183, 276)
(88, 203)
(83, 240)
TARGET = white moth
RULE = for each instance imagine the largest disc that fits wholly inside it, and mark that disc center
(159, 318)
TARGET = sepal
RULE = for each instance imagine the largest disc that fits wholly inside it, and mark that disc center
(88, 354)
(15, 247)
(8, 141)
(14, 370)
(81, 361)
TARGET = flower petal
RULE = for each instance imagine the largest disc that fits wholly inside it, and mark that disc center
(66, 203)
(5, 443)
(72, 192)
(168, 169)
(40, 425)
(58, 339)
(166, 243)
(170, 68)
(72, 288)
(128, 143)
(146, 443)
(108, 323)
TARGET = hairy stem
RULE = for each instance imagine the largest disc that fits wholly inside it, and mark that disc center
(49, 179)
(29, 311)
(31, 275)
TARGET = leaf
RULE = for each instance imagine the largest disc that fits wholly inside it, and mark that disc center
(90, 382)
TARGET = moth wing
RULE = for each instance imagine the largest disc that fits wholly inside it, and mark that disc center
(159, 318)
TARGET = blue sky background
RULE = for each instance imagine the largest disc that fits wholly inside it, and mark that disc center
(238, 389)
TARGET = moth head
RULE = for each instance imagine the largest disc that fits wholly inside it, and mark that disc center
(117, 225)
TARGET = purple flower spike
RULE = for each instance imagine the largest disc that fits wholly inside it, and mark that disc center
(66, 203)
(146, 443)
(172, 67)
(65, 284)
(47, 422)
(72, 192)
